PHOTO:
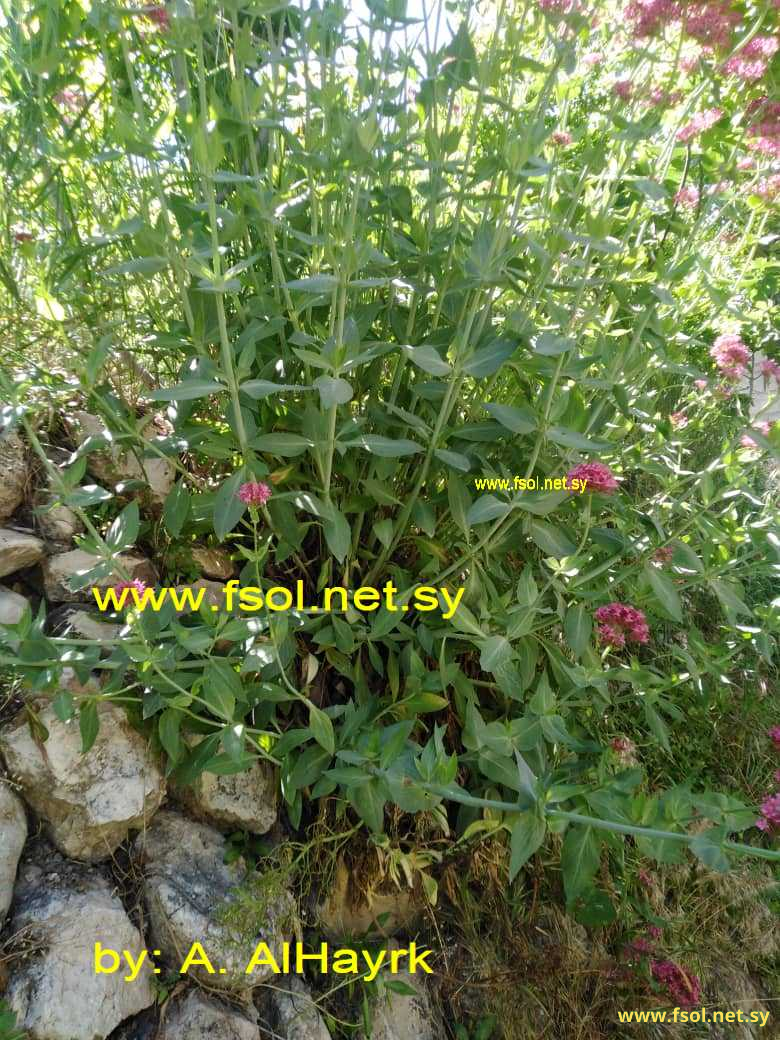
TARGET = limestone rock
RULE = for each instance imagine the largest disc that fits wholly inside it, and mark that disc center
(245, 800)
(11, 606)
(344, 913)
(396, 1016)
(188, 891)
(13, 834)
(57, 523)
(90, 625)
(18, 550)
(57, 570)
(13, 473)
(215, 593)
(214, 563)
(295, 1015)
(63, 909)
(115, 466)
(199, 1016)
(89, 801)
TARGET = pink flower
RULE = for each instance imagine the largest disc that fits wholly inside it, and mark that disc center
(558, 6)
(770, 810)
(640, 946)
(777, 777)
(687, 196)
(623, 88)
(159, 15)
(618, 622)
(561, 137)
(72, 99)
(762, 824)
(701, 122)
(724, 390)
(136, 583)
(700, 384)
(711, 23)
(768, 187)
(254, 493)
(598, 477)
(592, 59)
(663, 555)
(644, 878)
(770, 369)
(774, 736)
(763, 427)
(679, 420)
(730, 355)
(22, 235)
(654, 931)
(752, 61)
(649, 17)
(683, 987)
(746, 163)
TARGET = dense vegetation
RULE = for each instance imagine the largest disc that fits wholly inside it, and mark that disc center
(358, 263)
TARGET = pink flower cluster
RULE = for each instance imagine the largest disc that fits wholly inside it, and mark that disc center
(768, 187)
(770, 807)
(730, 355)
(753, 60)
(764, 132)
(558, 6)
(770, 370)
(763, 427)
(623, 88)
(254, 493)
(599, 477)
(683, 987)
(701, 121)
(711, 23)
(679, 420)
(136, 583)
(561, 137)
(650, 16)
(619, 622)
(687, 196)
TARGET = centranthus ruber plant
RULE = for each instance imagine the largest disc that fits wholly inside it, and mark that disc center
(363, 258)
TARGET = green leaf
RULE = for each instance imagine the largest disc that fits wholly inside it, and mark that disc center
(286, 445)
(453, 459)
(89, 724)
(338, 534)
(729, 600)
(189, 390)
(486, 507)
(428, 359)
(708, 848)
(228, 507)
(518, 420)
(580, 859)
(551, 540)
(665, 592)
(572, 439)
(577, 628)
(493, 653)
(124, 529)
(528, 833)
(333, 391)
(259, 389)
(321, 728)
(550, 344)
(319, 283)
(221, 688)
(367, 800)
(176, 509)
(385, 447)
(168, 727)
(488, 359)
(145, 265)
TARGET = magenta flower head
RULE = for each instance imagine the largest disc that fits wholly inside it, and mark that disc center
(561, 137)
(770, 370)
(136, 583)
(663, 555)
(159, 15)
(774, 736)
(683, 987)
(254, 493)
(730, 355)
(598, 476)
(770, 810)
(619, 622)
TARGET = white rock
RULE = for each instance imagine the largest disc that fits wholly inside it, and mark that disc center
(245, 800)
(18, 550)
(197, 1016)
(91, 626)
(63, 909)
(56, 522)
(89, 801)
(13, 473)
(11, 606)
(396, 1016)
(214, 563)
(13, 834)
(114, 466)
(295, 1015)
(188, 891)
(58, 569)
